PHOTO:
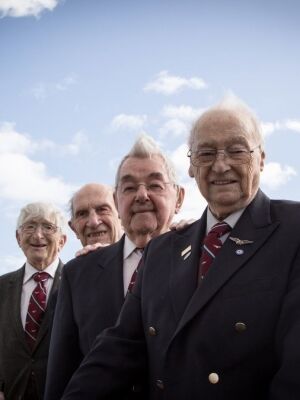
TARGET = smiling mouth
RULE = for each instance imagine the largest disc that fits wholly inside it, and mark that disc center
(96, 234)
(223, 182)
(38, 246)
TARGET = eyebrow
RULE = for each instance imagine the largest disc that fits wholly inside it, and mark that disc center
(152, 175)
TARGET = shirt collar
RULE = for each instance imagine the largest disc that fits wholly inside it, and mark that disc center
(30, 270)
(231, 220)
(129, 247)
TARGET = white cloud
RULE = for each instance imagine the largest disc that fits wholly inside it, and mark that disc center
(24, 8)
(174, 127)
(27, 180)
(126, 121)
(12, 141)
(274, 175)
(269, 128)
(167, 84)
(186, 113)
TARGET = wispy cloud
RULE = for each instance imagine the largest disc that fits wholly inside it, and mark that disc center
(174, 127)
(167, 84)
(269, 128)
(184, 112)
(42, 90)
(127, 121)
(25, 8)
(12, 141)
(275, 175)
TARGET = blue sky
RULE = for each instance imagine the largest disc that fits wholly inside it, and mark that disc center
(81, 79)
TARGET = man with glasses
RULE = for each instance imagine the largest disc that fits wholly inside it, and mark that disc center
(93, 288)
(27, 298)
(215, 313)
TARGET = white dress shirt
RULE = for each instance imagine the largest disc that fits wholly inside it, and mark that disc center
(131, 259)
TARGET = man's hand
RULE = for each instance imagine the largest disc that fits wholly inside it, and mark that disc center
(183, 223)
(87, 249)
(2, 396)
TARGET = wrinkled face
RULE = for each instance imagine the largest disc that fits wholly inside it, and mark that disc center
(41, 246)
(226, 187)
(145, 199)
(95, 216)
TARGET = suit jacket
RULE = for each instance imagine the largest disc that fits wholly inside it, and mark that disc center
(18, 363)
(235, 336)
(90, 299)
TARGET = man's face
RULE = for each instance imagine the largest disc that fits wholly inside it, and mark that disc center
(146, 213)
(39, 244)
(226, 187)
(95, 217)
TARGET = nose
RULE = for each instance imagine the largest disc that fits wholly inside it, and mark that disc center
(38, 231)
(141, 193)
(93, 219)
(220, 164)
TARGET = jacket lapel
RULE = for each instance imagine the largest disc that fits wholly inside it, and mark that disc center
(15, 291)
(186, 248)
(255, 226)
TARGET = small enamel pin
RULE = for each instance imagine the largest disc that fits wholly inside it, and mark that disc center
(240, 242)
(186, 252)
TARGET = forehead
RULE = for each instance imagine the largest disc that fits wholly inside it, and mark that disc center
(220, 128)
(93, 196)
(143, 168)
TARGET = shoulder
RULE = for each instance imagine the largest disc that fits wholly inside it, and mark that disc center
(286, 209)
(95, 257)
(12, 276)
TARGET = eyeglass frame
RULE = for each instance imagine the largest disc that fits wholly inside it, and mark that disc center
(54, 228)
(225, 154)
(137, 185)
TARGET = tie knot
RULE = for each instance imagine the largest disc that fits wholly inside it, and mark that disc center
(219, 229)
(41, 276)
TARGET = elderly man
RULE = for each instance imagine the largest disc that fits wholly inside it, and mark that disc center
(94, 217)
(27, 303)
(221, 322)
(94, 286)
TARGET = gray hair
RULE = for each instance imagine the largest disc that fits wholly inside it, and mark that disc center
(235, 106)
(42, 210)
(146, 147)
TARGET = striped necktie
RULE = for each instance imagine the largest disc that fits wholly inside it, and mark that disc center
(211, 246)
(139, 252)
(36, 308)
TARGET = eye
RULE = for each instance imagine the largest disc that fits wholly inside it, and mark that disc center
(129, 188)
(81, 213)
(156, 186)
(47, 227)
(103, 210)
(206, 152)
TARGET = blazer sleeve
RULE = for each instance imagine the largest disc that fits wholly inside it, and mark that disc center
(117, 359)
(286, 382)
(64, 352)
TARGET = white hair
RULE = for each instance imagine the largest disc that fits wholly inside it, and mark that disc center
(42, 210)
(235, 106)
(146, 147)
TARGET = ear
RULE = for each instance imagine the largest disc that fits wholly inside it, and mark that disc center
(180, 198)
(62, 241)
(116, 202)
(262, 160)
(70, 223)
(18, 238)
(191, 172)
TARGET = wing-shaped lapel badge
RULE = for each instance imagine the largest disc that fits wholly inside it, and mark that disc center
(186, 252)
(240, 242)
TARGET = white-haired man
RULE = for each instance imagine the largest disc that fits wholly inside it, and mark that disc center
(94, 286)
(27, 303)
(219, 321)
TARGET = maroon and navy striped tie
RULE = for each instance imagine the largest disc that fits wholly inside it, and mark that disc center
(211, 246)
(36, 308)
